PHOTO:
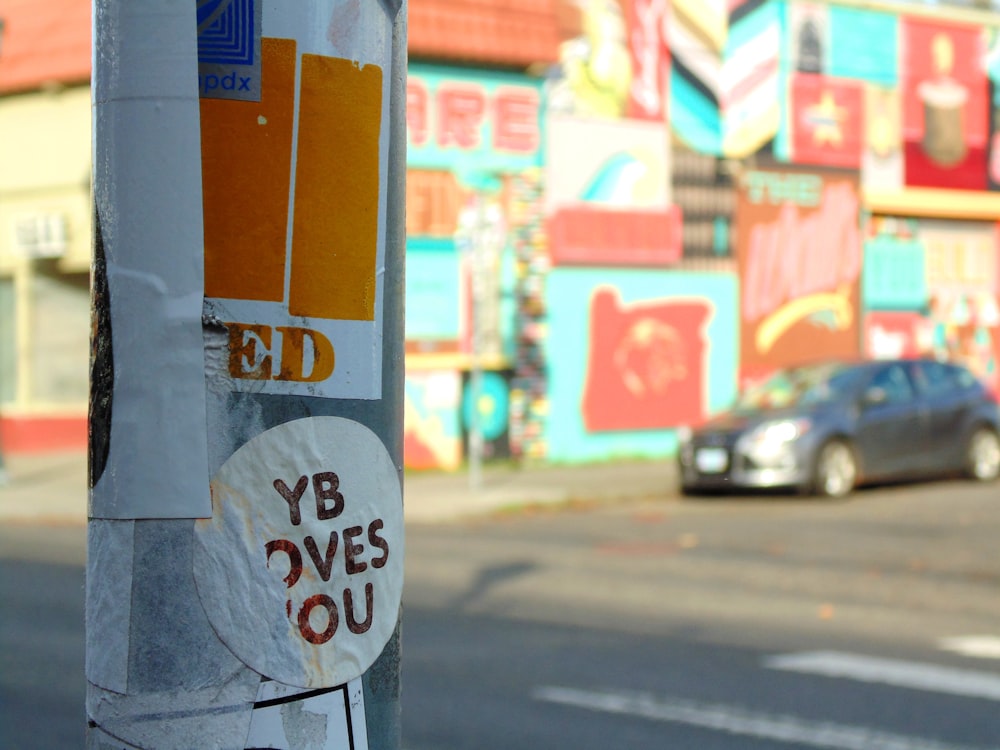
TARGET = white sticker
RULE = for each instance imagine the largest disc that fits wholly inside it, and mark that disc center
(295, 185)
(300, 568)
(327, 719)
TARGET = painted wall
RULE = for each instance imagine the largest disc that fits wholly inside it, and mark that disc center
(634, 353)
(45, 238)
(799, 253)
(725, 93)
(472, 121)
(931, 289)
(469, 132)
(431, 431)
(45, 153)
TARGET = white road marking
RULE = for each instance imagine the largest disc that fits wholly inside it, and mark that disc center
(739, 721)
(976, 646)
(905, 674)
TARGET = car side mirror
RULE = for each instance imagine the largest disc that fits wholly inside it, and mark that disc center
(874, 396)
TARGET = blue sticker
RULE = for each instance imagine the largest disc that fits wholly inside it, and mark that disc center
(229, 49)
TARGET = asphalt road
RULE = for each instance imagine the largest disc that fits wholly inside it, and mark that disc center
(764, 622)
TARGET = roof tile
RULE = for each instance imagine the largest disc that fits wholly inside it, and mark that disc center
(44, 41)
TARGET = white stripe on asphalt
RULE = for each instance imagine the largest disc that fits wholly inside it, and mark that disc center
(976, 646)
(905, 674)
(739, 721)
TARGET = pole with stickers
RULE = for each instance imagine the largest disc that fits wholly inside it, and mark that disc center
(245, 533)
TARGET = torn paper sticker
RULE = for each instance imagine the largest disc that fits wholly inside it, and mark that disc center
(300, 568)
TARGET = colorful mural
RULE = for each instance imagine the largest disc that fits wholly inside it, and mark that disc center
(751, 92)
(962, 277)
(799, 254)
(471, 122)
(725, 92)
(647, 21)
(945, 97)
(697, 38)
(614, 61)
(895, 276)
(882, 155)
(934, 284)
(992, 63)
(529, 381)
(431, 432)
(469, 133)
(432, 292)
(646, 364)
(889, 335)
(608, 202)
(493, 411)
(864, 45)
(633, 353)
(808, 38)
(826, 120)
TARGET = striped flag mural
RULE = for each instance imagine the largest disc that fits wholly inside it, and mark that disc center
(697, 38)
(750, 103)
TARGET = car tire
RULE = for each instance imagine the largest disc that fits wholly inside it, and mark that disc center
(982, 455)
(836, 470)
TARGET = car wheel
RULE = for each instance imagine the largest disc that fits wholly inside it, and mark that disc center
(982, 455)
(836, 470)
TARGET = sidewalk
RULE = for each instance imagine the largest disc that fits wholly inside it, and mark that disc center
(52, 488)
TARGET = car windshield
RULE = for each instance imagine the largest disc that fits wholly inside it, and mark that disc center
(801, 386)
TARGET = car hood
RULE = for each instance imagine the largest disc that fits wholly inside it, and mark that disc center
(744, 419)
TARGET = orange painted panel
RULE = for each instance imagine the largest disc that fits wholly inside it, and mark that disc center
(246, 171)
(335, 225)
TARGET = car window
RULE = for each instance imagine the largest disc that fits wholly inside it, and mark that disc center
(895, 383)
(965, 379)
(812, 384)
(938, 378)
(941, 378)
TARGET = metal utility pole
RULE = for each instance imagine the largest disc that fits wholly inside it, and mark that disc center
(245, 541)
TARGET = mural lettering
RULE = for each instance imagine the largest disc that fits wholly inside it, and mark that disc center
(800, 269)
(650, 64)
(466, 116)
(777, 188)
(798, 255)
(433, 202)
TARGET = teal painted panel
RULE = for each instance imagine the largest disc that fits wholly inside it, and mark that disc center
(694, 117)
(473, 122)
(432, 285)
(571, 296)
(865, 45)
(754, 24)
(894, 275)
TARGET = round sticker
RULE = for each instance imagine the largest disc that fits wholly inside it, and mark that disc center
(300, 568)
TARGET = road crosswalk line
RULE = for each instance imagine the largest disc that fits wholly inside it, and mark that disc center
(739, 721)
(975, 646)
(968, 683)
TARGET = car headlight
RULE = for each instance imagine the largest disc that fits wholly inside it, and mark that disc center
(771, 437)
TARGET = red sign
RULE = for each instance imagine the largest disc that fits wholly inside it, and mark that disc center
(827, 117)
(889, 335)
(646, 367)
(582, 235)
(646, 21)
(945, 103)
